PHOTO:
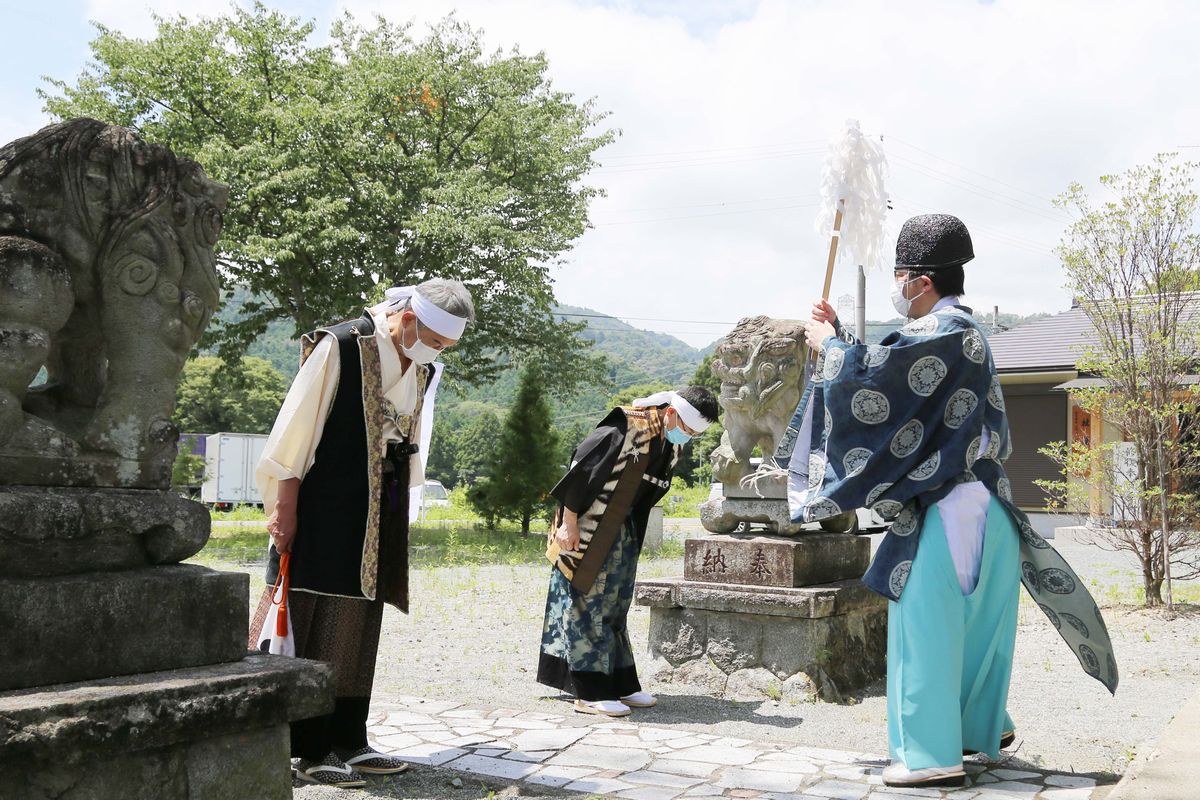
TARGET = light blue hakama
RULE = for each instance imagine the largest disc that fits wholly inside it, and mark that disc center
(949, 654)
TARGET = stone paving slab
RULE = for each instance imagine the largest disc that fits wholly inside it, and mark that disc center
(638, 761)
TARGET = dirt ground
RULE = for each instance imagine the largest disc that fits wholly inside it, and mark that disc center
(474, 632)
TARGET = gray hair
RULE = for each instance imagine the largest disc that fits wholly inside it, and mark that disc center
(449, 295)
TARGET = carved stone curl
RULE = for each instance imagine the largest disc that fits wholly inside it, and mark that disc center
(108, 279)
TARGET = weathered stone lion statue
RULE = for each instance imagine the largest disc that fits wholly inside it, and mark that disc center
(108, 279)
(759, 365)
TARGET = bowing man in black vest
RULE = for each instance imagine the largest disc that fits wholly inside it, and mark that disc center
(347, 449)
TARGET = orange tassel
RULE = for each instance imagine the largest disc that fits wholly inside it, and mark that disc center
(281, 617)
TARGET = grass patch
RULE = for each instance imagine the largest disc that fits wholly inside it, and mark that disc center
(684, 501)
(242, 512)
(243, 544)
(429, 546)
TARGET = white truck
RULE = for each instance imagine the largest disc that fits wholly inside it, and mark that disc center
(229, 462)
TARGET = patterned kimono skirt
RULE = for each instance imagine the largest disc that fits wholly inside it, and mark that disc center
(585, 643)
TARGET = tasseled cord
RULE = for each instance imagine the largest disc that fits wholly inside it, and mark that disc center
(281, 618)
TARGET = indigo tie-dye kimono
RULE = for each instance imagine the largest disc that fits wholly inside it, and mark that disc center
(894, 427)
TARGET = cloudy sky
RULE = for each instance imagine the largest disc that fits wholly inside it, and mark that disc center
(987, 109)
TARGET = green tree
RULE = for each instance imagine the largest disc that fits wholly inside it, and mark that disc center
(479, 442)
(1132, 263)
(704, 375)
(188, 469)
(443, 449)
(525, 468)
(631, 393)
(215, 396)
(379, 158)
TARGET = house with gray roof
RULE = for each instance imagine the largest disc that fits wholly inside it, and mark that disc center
(1037, 363)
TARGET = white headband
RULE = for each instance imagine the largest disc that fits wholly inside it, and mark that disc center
(438, 320)
(687, 412)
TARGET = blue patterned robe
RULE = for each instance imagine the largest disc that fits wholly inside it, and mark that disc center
(894, 427)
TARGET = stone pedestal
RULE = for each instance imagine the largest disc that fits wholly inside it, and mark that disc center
(67, 530)
(654, 530)
(90, 536)
(769, 616)
(765, 503)
(125, 674)
(207, 733)
(100, 624)
(757, 560)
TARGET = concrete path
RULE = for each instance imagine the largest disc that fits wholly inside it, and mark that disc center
(1167, 770)
(630, 759)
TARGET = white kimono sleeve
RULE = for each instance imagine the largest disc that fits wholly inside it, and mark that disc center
(292, 445)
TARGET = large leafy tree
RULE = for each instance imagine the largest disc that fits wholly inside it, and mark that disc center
(1133, 263)
(379, 158)
(242, 397)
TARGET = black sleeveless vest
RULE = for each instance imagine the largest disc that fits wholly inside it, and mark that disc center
(335, 493)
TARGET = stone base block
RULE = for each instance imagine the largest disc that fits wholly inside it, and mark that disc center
(752, 560)
(33, 461)
(724, 514)
(79, 627)
(768, 489)
(830, 638)
(63, 531)
(209, 733)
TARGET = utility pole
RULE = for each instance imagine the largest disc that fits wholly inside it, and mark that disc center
(860, 305)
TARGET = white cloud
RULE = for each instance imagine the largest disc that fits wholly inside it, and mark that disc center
(1015, 98)
(1031, 95)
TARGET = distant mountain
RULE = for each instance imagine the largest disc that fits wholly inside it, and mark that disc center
(275, 345)
(635, 356)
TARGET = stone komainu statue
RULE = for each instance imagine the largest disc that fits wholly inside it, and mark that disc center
(107, 279)
(759, 365)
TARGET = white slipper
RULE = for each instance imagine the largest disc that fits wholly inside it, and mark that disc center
(640, 700)
(896, 774)
(608, 708)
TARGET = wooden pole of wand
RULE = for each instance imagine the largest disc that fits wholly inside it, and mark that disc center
(833, 248)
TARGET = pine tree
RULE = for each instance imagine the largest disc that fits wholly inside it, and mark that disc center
(525, 468)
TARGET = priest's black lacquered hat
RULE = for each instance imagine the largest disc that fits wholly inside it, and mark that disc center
(933, 241)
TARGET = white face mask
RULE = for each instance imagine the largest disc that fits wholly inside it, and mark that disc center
(419, 352)
(902, 304)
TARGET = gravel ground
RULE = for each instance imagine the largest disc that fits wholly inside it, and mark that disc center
(474, 632)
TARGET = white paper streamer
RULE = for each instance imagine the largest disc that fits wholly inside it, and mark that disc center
(853, 173)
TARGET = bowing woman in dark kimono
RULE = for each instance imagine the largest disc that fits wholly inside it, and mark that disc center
(619, 472)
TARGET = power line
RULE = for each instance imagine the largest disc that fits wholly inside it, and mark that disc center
(702, 216)
(980, 191)
(617, 169)
(645, 319)
(903, 143)
(710, 205)
(988, 231)
(805, 143)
